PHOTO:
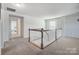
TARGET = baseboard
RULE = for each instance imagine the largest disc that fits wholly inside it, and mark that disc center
(71, 37)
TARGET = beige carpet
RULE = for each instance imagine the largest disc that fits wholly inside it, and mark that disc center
(63, 46)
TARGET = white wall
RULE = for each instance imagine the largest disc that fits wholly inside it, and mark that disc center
(0, 32)
(4, 28)
(32, 23)
(0, 35)
(71, 26)
(0, 27)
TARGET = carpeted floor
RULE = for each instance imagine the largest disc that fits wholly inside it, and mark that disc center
(63, 46)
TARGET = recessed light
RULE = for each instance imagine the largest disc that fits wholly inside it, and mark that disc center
(18, 5)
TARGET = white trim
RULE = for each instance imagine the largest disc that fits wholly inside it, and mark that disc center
(0, 51)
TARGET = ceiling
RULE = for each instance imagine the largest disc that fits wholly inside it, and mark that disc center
(45, 10)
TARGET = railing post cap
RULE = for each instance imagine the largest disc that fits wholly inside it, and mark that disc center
(41, 28)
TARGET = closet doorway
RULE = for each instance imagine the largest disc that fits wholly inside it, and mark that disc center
(16, 26)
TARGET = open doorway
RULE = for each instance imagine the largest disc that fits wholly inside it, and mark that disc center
(16, 26)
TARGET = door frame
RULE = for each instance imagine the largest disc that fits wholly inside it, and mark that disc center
(22, 26)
